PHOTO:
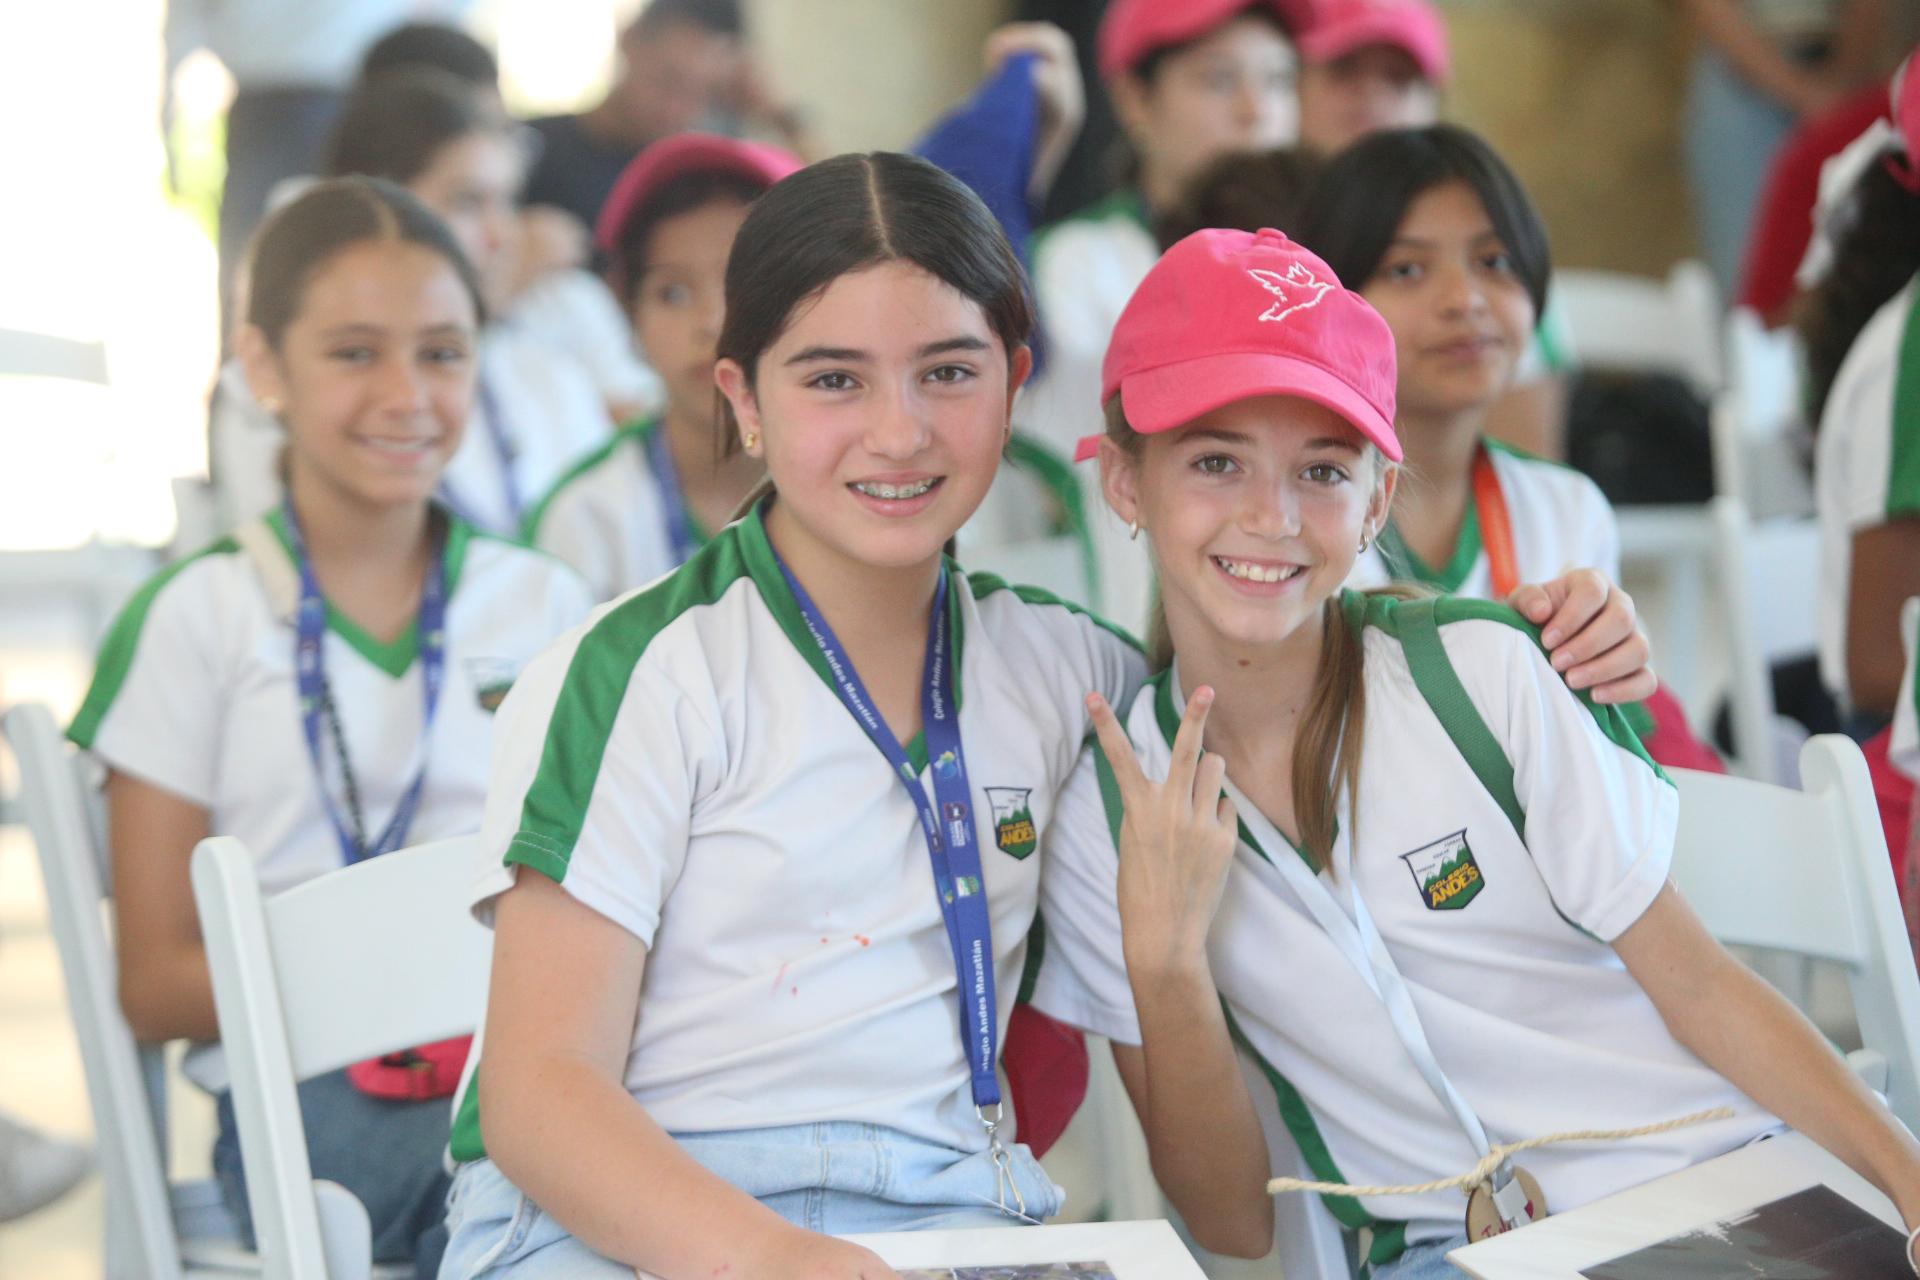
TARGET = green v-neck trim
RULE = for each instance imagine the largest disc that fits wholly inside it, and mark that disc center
(1167, 716)
(393, 657)
(763, 566)
(1405, 564)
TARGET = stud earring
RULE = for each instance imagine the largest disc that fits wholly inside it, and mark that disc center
(750, 439)
(271, 404)
(1133, 530)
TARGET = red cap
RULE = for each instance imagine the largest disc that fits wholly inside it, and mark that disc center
(1229, 315)
(1904, 103)
(1132, 29)
(1342, 26)
(681, 154)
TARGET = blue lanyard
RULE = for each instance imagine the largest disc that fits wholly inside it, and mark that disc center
(946, 821)
(316, 698)
(673, 503)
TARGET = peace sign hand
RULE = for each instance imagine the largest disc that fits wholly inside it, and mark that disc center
(1176, 842)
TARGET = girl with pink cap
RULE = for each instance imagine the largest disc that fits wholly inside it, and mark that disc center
(1372, 841)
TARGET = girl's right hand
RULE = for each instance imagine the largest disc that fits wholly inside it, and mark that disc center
(1176, 841)
(808, 1255)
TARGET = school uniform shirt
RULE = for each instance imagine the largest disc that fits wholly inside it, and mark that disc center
(1560, 521)
(683, 765)
(1503, 945)
(195, 693)
(1867, 459)
(547, 407)
(573, 311)
(607, 516)
(1084, 269)
(1903, 748)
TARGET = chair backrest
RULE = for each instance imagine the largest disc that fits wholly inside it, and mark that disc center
(73, 865)
(1627, 322)
(1806, 872)
(1759, 421)
(362, 961)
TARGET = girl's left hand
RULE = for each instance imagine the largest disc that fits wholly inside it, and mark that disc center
(1592, 635)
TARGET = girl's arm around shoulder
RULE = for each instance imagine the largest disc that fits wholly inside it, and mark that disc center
(563, 1128)
(1745, 1030)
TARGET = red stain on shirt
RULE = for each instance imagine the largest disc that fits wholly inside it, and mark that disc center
(863, 939)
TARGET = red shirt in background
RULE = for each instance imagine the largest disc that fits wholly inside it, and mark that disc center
(1784, 222)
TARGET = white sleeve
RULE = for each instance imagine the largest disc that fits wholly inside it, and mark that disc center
(1600, 817)
(155, 707)
(597, 764)
(1604, 532)
(1860, 406)
(1083, 975)
(570, 529)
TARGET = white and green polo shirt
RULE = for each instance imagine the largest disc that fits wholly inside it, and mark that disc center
(1503, 943)
(682, 764)
(1084, 269)
(605, 517)
(195, 693)
(1867, 459)
(1560, 521)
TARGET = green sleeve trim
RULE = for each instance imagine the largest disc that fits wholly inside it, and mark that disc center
(123, 640)
(1056, 474)
(632, 432)
(466, 1144)
(553, 811)
(1903, 463)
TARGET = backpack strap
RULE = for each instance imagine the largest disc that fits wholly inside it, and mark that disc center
(1419, 633)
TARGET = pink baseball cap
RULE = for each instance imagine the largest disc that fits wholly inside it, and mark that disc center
(1132, 29)
(680, 154)
(1342, 26)
(1230, 315)
(1904, 108)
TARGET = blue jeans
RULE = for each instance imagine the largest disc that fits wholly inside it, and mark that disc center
(387, 1153)
(1731, 131)
(1422, 1262)
(839, 1177)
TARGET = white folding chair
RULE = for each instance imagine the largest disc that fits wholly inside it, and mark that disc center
(1759, 423)
(1806, 872)
(1769, 575)
(154, 1231)
(356, 963)
(1619, 321)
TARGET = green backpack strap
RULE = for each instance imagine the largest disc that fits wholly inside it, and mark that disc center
(1433, 674)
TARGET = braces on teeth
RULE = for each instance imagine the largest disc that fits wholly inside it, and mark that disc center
(878, 490)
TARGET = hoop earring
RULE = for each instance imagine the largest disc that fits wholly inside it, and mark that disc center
(1133, 531)
(1366, 540)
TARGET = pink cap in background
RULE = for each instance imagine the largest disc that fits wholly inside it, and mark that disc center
(1132, 29)
(684, 153)
(1904, 106)
(1342, 26)
(1230, 315)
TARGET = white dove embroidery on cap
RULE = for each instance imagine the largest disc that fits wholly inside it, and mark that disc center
(1297, 290)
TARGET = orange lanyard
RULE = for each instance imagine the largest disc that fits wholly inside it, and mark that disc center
(1496, 527)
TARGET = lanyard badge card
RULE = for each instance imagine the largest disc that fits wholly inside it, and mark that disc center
(953, 846)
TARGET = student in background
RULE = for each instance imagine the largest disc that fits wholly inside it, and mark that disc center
(1440, 238)
(1367, 65)
(645, 501)
(1190, 80)
(1863, 355)
(1372, 842)
(536, 410)
(682, 64)
(321, 683)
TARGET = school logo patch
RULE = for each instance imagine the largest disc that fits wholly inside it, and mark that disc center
(491, 679)
(1297, 290)
(1445, 873)
(1013, 828)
